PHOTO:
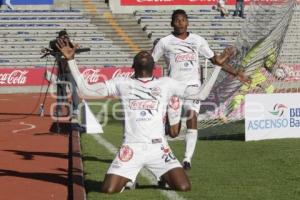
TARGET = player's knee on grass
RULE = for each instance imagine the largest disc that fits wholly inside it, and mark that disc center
(177, 180)
(113, 184)
(183, 186)
(110, 190)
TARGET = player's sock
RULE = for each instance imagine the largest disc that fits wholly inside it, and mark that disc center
(130, 185)
(190, 144)
(122, 190)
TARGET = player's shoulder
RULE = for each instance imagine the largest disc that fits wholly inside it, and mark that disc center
(166, 38)
(167, 80)
(197, 37)
(120, 79)
(163, 78)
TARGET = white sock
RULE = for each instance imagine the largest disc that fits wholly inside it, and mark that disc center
(190, 144)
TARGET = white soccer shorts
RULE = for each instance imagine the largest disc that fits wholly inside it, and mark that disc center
(132, 157)
(191, 105)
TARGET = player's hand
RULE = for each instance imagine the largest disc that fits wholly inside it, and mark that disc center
(243, 77)
(229, 52)
(66, 49)
(225, 57)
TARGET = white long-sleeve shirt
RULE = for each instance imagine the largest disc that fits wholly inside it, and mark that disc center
(144, 102)
(182, 56)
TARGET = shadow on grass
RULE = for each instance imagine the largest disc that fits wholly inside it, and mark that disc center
(232, 131)
(92, 185)
(93, 158)
(95, 186)
(233, 137)
(138, 186)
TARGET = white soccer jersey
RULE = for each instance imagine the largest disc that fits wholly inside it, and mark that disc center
(221, 2)
(182, 56)
(144, 104)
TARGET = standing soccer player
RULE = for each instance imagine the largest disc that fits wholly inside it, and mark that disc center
(144, 99)
(181, 50)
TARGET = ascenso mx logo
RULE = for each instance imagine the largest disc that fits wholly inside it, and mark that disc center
(278, 109)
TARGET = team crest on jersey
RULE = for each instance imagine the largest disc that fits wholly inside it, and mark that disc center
(143, 104)
(125, 153)
(174, 102)
(182, 57)
(155, 91)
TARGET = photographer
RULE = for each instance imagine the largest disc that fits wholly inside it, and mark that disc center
(64, 75)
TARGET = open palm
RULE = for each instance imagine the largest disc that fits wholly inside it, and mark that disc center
(66, 49)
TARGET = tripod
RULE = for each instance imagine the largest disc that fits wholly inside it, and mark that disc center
(42, 110)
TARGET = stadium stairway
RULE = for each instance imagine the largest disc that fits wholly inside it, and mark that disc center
(122, 29)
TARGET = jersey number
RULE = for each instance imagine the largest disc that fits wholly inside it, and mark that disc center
(196, 101)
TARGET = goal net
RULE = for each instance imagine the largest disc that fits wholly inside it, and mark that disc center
(262, 53)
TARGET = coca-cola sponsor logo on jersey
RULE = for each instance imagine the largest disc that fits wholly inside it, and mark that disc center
(91, 75)
(15, 77)
(120, 73)
(143, 104)
(182, 57)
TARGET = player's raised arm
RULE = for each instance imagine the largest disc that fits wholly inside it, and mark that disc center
(95, 90)
(222, 61)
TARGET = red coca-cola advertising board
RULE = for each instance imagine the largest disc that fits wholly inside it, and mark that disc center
(187, 2)
(21, 77)
(166, 2)
(35, 76)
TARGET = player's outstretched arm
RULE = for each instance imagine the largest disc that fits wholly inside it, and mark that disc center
(222, 61)
(95, 90)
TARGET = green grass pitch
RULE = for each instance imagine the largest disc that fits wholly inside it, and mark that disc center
(223, 167)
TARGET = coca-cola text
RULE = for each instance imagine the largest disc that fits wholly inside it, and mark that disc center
(15, 77)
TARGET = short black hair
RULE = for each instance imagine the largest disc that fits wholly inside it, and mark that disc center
(62, 33)
(177, 12)
(143, 61)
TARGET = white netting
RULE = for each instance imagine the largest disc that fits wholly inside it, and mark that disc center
(260, 54)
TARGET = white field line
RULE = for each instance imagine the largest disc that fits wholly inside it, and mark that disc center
(30, 126)
(172, 195)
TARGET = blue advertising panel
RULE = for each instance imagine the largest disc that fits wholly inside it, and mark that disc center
(31, 2)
